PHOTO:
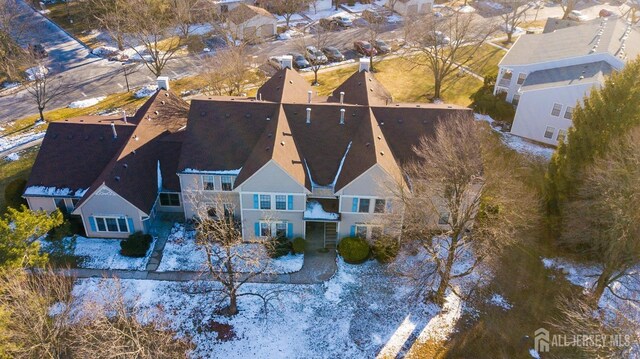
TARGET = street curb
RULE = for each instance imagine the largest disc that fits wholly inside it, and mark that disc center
(61, 28)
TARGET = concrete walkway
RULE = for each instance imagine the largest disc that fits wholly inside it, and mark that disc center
(319, 265)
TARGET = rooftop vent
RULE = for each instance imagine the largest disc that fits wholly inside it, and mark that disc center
(308, 115)
(268, 118)
(286, 62)
(125, 165)
(341, 97)
(342, 110)
(309, 93)
(163, 83)
(117, 178)
(113, 129)
(364, 64)
(282, 143)
(124, 116)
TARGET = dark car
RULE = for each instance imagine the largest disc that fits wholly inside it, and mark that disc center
(365, 48)
(38, 51)
(299, 61)
(382, 47)
(333, 54)
(315, 56)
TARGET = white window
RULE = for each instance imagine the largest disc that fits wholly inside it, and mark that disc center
(557, 108)
(279, 229)
(363, 205)
(265, 229)
(548, 132)
(265, 201)
(361, 231)
(380, 206)
(227, 183)
(444, 218)
(521, 78)
(369, 231)
(112, 224)
(281, 202)
(516, 100)
(228, 209)
(208, 183)
(562, 135)
(568, 113)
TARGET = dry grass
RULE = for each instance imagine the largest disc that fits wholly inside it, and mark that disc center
(406, 82)
(69, 16)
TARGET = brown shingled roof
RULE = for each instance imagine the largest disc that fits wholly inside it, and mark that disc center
(244, 12)
(285, 86)
(362, 88)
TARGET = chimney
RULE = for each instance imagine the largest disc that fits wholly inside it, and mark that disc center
(287, 61)
(309, 93)
(308, 115)
(342, 116)
(113, 128)
(341, 98)
(364, 64)
(124, 116)
(260, 96)
(163, 83)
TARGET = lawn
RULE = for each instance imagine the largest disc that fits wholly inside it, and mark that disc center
(13, 170)
(395, 74)
(486, 60)
(62, 12)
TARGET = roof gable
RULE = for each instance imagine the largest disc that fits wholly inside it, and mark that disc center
(362, 88)
(244, 12)
(286, 85)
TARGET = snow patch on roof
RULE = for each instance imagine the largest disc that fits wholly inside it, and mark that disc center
(146, 91)
(315, 211)
(54, 192)
(12, 157)
(341, 164)
(212, 172)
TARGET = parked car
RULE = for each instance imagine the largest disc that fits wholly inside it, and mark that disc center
(365, 48)
(577, 16)
(373, 17)
(315, 56)
(333, 54)
(343, 21)
(605, 13)
(38, 51)
(299, 61)
(382, 47)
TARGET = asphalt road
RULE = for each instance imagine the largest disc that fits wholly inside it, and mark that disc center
(86, 76)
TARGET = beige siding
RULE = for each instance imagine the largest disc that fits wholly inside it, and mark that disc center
(374, 182)
(271, 178)
(104, 202)
(299, 200)
(250, 217)
(249, 27)
(41, 204)
(193, 195)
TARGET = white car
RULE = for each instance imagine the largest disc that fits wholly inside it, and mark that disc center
(577, 16)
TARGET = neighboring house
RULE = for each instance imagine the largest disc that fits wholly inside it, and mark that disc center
(224, 6)
(113, 173)
(410, 7)
(547, 75)
(247, 22)
(279, 163)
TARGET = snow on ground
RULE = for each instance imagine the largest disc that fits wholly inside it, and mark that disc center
(585, 276)
(465, 9)
(9, 85)
(370, 312)
(36, 72)
(517, 143)
(9, 142)
(12, 157)
(104, 51)
(146, 91)
(86, 103)
(499, 301)
(294, 18)
(181, 253)
(98, 253)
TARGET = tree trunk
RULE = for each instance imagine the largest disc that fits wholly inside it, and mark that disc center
(120, 42)
(315, 74)
(445, 275)
(601, 285)
(371, 61)
(41, 111)
(436, 88)
(233, 303)
(509, 35)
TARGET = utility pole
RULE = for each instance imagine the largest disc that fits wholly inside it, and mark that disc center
(126, 75)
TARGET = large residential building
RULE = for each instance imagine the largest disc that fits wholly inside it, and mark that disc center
(278, 162)
(547, 75)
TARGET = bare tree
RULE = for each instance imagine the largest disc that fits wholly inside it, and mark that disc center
(42, 87)
(228, 72)
(112, 327)
(231, 260)
(288, 8)
(374, 26)
(443, 45)
(461, 188)
(319, 41)
(603, 223)
(567, 7)
(392, 4)
(35, 311)
(11, 54)
(579, 317)
(111, 15)
(514, 17)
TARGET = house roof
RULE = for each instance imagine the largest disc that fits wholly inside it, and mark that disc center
(615, 36)
(244, 12)
(594, 72)
(83, 153)
(244, 133)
